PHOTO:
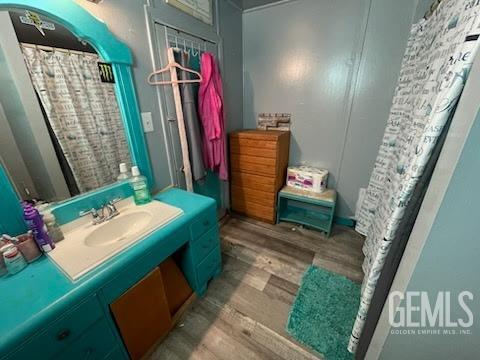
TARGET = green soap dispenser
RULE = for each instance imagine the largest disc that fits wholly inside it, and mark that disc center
(139, 184)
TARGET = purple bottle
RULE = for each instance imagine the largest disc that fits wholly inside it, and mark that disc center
(35, 223)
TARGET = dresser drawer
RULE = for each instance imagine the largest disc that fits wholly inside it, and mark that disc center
(209, 266)
(96, 343)
(257, 211)
(247, 195)
(205, 221)
(253, 165)
(236, 142)
(202, 246)
(254, 151)
(251, 181)
(61, 333)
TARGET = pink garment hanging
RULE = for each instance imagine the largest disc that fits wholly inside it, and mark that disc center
(210, 109)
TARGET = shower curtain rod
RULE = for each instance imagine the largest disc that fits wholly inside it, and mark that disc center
(433, 7)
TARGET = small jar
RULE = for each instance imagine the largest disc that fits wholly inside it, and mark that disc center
(3, 267)
(14, 260)
(28, 247)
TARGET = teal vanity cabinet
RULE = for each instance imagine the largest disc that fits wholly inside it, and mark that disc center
(46, 316)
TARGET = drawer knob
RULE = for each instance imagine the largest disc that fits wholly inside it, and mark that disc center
(63, 335)
(206, 223)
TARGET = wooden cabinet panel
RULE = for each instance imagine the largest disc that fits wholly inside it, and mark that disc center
(176, 287)
(256, 211)
(256, 196)
(252, 165)
(237, 142)
(253, 151)
(142, 314)
(259, 161)
(251, 181)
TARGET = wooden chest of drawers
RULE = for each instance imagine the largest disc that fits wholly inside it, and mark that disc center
(259, 160)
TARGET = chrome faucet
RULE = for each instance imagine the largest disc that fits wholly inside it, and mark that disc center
(107, 212)
(110, 209)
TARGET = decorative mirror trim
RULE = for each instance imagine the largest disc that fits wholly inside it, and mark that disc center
(86, 27)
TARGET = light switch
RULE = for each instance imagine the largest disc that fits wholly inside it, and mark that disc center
(147, 122)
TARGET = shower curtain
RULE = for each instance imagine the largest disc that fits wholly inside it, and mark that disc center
(439, 55)
(83, 113)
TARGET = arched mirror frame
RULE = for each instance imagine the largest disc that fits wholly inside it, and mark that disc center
(86, 27)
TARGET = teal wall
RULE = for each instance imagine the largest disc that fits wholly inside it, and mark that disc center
(449, 262)
(334, 66)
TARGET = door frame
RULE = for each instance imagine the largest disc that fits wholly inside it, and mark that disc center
(166, 15)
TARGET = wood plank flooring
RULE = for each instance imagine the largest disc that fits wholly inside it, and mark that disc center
(245, 310)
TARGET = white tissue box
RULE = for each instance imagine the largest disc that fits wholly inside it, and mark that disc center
(307, 178)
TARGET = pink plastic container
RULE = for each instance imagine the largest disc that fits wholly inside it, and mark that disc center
(28, 247)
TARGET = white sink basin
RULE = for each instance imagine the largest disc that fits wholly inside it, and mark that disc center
(119, 228)
(86, 246)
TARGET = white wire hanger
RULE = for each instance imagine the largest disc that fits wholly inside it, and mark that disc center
(173, 64)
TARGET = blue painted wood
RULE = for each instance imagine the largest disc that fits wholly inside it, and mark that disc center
(307, 211)
(202, 246)
(68, 210)
(81, 23)
(95, 343)
(88, 28)
(344, 221)
(128, 104)
(11, 213)
(60, 336)
(38, 296)
(208, 268)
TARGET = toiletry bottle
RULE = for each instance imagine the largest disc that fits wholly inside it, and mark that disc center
(14, 260)
(124, 175)
(141, 193)
(35, 223)
(53, 229)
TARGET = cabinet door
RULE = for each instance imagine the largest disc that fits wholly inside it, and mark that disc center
(142, 314)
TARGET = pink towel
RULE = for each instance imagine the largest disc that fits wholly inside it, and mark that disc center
(210, 109)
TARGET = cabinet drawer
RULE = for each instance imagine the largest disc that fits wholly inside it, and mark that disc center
(251, 181)
(61, 333)
(246, 195)
(253, 165)
(253, 151)
(203, 224)
(201, 247)
(236, 142)
(209, 266)
(96, 343)
(256, 211)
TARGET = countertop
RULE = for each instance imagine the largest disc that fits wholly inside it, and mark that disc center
(41, 292)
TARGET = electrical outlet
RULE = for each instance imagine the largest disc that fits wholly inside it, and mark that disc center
(147, 122)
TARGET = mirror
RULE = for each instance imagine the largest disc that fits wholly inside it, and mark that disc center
(61, 131)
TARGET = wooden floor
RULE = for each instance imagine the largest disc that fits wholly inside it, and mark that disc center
(245, 310)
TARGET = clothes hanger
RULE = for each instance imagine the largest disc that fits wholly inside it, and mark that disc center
(170, 65)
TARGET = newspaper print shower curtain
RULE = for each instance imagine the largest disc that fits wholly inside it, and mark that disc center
(439, 55)
(83, 113)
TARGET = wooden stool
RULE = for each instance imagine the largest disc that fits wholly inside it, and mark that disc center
(315, 210)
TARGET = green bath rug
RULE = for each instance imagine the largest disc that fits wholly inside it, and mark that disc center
(323, 313)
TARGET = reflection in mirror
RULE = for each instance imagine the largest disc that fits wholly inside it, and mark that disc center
(61, 132)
